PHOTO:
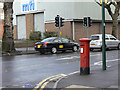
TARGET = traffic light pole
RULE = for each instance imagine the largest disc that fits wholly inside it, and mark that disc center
(87, 27)
(59, 27)
(103, 36)
(87, 23)
(59, 23)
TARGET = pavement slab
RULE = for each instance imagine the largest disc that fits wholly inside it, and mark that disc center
(97, 79)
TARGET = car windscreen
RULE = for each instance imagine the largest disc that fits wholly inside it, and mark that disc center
(48, 40)
(94, 37)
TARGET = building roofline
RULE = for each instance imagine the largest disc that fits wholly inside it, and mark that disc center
(32, 12)
(81, 20)
(94, 20)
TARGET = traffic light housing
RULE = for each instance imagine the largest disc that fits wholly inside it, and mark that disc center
(85, 21)
(89, 22)
(57, 21)
(61, 22)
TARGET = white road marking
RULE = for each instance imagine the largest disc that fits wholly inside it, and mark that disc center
(95, 54)
(74, 57)
(68, 58)
(109, 66)
(73, 72)
(96, 63)
(80, 86)
(100, 62)
(64, 75)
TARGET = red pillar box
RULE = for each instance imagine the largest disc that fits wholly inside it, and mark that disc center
(84, 53)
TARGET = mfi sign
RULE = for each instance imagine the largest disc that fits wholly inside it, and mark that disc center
(29, 6)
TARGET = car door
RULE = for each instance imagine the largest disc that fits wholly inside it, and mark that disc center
(113, 41)
(67, 44)
(58, 44)
(107, 41)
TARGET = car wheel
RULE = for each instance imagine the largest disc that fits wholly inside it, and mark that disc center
(75, 48)
(53, 50)
(119, 46)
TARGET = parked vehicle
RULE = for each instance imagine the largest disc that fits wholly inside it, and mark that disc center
(54, 44)
(110, 40)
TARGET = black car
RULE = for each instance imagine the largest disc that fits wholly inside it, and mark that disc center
(54, 44)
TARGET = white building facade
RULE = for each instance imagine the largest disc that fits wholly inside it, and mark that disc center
(37, 15)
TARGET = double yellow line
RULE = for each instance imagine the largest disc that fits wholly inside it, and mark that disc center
(43, 83)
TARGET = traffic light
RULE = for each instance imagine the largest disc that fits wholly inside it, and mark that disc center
(61, 22)
(57, 21)
(89, 22)
(85, 21)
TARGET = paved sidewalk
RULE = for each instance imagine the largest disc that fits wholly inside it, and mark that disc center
(21, 51)
(27, 50)
(96, 80)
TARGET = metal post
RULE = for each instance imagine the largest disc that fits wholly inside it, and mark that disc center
(59, 26)
(87, 27)
(103, 36)
(73, 28)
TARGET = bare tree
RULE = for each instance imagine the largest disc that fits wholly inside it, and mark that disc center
(8, 40)
(114, 14)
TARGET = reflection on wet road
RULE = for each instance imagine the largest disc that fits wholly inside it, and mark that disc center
(18, 71)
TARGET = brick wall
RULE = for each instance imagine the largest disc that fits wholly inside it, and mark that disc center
(66, 29)
(1, 29)
(96, 28)
(80, 31)
(108, 28)
(15, 32)
(1, 23)
(29, 25)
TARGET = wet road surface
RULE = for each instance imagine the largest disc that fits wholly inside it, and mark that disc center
(18, 71)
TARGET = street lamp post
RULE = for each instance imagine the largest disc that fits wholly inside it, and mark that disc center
(103, 36)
